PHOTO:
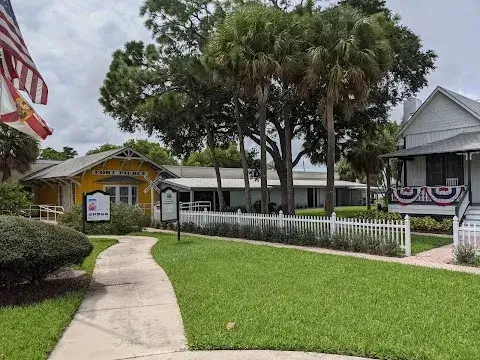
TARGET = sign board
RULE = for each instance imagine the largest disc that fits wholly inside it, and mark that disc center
(119, 172)
(169, 208)
(97, 206)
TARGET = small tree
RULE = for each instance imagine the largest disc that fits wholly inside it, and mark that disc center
(13, 198)
(18, 152)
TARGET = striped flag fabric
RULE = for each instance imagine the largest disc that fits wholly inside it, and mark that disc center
(17, 113)
(17, 63)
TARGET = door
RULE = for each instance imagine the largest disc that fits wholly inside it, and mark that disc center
(476, 179)
(65, 197)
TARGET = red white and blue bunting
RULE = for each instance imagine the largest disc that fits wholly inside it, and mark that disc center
(444, 195)
(406, 195)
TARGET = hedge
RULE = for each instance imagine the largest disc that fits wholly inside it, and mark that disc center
(30, 249)
(352, 242)
(125, 219)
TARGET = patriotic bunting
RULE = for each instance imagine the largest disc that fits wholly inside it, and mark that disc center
(442, 196)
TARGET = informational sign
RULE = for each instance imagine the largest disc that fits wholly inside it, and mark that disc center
(97, 207)
(169, 208)
(119, 172)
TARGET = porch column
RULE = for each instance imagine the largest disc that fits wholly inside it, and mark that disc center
(405, 173)
(469, 159)
(389, 178)
(152, 204)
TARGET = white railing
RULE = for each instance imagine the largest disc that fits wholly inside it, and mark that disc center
(43, 212)
(196, 206)
(398, 230)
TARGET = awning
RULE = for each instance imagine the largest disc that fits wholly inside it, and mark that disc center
(119, 179)
(460, 143)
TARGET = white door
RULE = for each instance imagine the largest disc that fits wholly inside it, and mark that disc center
(476, 179)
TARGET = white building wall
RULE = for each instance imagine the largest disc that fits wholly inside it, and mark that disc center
(237, 197)
(442, 116)
(426, 138)
(416, 171)
(301, 197)
(320, 197)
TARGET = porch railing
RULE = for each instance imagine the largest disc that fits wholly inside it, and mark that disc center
(432, 195)
(462, 204)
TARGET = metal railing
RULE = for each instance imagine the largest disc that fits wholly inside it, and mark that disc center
(43, 212)
(196, 206)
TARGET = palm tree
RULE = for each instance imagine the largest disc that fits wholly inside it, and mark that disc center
(364, 155)
(348, 55)
(250, 41)
(18, 152)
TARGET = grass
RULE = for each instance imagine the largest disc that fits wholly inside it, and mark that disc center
(31, 331)
(340, 211)
(293, 300)
(422, 243)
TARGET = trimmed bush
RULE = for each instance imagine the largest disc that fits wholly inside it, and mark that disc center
(354, 242)
(30, 250)
(465, 255)
(125, 219)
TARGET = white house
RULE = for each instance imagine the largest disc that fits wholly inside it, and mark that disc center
(439, 150)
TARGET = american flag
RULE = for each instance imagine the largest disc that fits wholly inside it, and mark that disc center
(17, 63)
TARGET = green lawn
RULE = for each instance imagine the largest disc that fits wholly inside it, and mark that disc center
(293, 300)
(340, 211)
(30, 332)
(422, 243)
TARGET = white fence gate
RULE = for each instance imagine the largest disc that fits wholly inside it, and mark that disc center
(398, 230)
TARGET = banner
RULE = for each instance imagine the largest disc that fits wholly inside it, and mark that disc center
(444, 195)
(406, 195)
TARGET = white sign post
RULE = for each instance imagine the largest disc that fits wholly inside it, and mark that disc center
(96, 207)
(170, 211)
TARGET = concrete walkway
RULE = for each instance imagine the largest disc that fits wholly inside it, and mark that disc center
(131, 312)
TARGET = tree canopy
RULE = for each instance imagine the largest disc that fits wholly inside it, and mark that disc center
(227, 157)
(52, 154)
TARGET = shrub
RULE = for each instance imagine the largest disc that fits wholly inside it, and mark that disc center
(465, 254)
(30, 250)
(124, 220)
(13, 198)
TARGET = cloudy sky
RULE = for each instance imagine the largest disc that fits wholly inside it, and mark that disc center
(72, 41)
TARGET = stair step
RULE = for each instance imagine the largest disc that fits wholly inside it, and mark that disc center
(473, 211)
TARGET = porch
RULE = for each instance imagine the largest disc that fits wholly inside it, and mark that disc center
(441, 178)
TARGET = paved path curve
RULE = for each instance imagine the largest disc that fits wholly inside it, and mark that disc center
(131, 312)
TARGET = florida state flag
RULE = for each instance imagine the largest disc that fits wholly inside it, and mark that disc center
(17, 112)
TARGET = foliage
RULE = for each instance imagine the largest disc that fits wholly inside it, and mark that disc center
(285, 299)
(13, 197)
(52, 154)
(351, 242)
(124, 220)
(32, 330)
(30, 250)
(228, 157)
(18, 151)
(103, 148)
(347, 173)
(465, 254)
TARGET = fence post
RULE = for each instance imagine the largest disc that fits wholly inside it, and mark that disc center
(281, 220)
(239, 214)
(455, 230)
(204, 220)
(408, 237)
(333, 220)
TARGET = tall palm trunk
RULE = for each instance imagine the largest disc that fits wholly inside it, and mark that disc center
(211, 145)
(330, 125)
(262, 109)
(243, 156)
(288, 164)
(367, 176)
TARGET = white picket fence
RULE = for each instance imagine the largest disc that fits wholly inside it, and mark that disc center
(398, 230)
(466, 234)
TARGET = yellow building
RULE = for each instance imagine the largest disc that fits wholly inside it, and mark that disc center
(122, 172)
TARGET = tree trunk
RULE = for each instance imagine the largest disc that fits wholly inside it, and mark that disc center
(243, 156)
(262, 108)
(288, 165)
(367, 176)
(330, 191)
(211, 145)
(282, 176)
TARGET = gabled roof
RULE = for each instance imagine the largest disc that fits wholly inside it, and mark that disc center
(460, 143)
(72, 167)
(472, 106)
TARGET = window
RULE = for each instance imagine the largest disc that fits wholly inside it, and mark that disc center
(123, 194)
(440, 167)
